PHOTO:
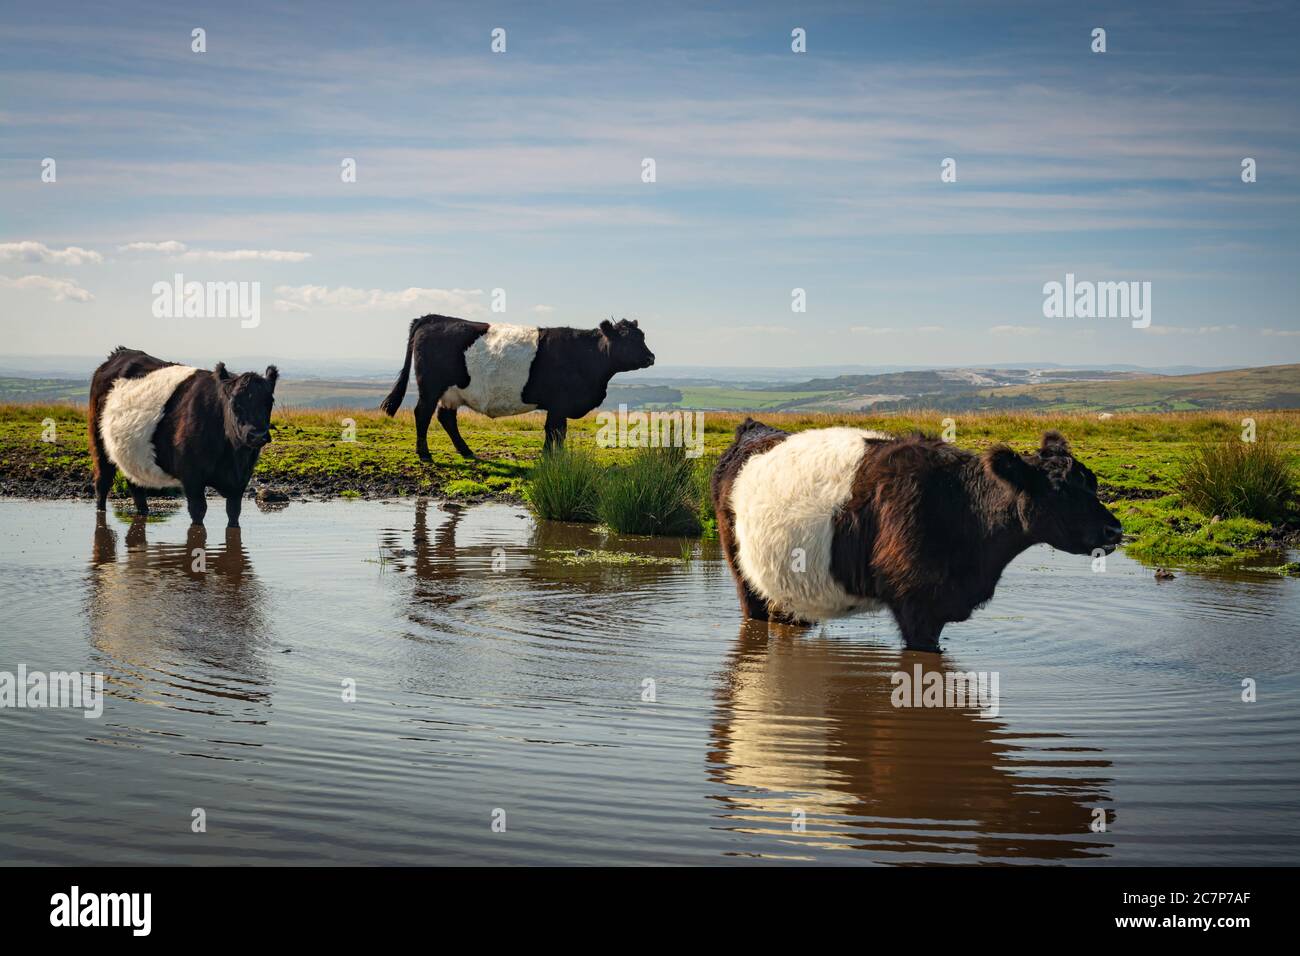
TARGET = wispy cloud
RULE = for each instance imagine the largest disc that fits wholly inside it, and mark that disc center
(1187, 330)
(169, 247)
(246, 255)
(31, 251)
(305, 297)
(888, 330)
(60, 290)
(175, 249)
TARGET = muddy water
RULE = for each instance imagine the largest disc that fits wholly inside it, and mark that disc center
(494, 680)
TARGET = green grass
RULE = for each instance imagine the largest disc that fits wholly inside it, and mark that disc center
(654, 492)
(1166, 530)
(564, 485)
(710, 396)
(1238, 479)
(1138, 458)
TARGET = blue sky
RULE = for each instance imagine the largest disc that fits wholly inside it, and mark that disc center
(775, 170)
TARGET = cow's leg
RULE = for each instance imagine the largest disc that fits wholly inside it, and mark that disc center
(557, 426)
(447, 419)
(141, 500)
(233, 505)
(919, 626)
(197, 500)
(136, 536)
(423, 415)
(751, 605)
(105, 470)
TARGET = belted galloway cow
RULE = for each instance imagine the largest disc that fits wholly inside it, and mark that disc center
(166, 425)
(500, 370)
(832, 521)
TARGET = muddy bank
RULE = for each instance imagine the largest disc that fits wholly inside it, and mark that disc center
(49, 484)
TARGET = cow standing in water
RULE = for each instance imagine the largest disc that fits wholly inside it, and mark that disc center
(832, 521)
(167, 425)
(501, 370)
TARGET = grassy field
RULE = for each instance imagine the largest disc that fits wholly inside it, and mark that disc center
(711, 396)
(1275, 386)
(1136, 458)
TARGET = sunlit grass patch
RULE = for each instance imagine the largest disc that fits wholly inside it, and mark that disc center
(1239, 479)
(564, 485)
(655, 491)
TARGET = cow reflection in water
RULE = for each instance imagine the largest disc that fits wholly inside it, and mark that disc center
(491, 566)
(180, 624)
(432, 556)
(805, 722)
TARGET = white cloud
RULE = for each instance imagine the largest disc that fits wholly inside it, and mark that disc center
(1015, 330)
(246, 255)
(31, 251)
(888, 330)
(1280, 332)
(169, 247)
(1186, 330)
(543, 309)
(173, 248)
(61, 290)
(302, 297)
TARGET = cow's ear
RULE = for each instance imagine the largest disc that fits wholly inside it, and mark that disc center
(607, 328)
(272, 376)
(221, 373)
(1012, 469)
(635, 325)
(1054, 446)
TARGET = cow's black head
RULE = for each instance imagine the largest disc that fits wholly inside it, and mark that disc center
(246, 400)
(1057, 497)
(626, 344)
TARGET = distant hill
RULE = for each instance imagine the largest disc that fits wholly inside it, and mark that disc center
(13, 389)
(968, 389)
(1271, 386)
(314, 393)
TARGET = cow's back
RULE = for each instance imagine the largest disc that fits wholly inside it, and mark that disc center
(128, 417)
(785, 500)
(498, 363)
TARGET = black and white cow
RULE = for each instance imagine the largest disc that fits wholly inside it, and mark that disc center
(167, 425)
(500, 370)
(828, 522)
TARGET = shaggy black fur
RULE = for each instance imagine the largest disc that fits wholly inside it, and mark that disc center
(211, 434)
(929, 528)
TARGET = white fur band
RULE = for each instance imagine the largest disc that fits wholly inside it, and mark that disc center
(499, 362)
(785, 500)
(130, 415)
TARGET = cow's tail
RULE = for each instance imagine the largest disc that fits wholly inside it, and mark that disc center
(394, 400)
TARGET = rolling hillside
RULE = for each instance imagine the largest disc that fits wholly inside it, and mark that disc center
(1272, 386)
(956, 390)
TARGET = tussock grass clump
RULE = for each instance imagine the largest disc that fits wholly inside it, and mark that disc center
(1237, 479)
(565, 485)
(654, 492)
